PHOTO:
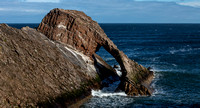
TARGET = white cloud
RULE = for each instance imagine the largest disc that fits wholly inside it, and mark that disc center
(43, 1)
(110, 11)
(193, 4)
(22, 10)
(33, 10)
(2, 9)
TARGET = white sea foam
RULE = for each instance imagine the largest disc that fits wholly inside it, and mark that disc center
(155, 59)
(108, 91)
(109, 59)
(157, 89)
(101, 93)
(113, 101)
(118, 70)
(182, 50)
(170, 70)
(174, 65)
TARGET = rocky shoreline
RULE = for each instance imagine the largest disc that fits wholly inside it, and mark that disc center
(57, 65)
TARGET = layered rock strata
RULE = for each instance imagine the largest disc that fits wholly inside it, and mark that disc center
(57, 65)
(78, 30)
(35, 71)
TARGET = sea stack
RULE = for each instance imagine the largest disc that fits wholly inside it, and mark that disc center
(57, 65)
(76, 29)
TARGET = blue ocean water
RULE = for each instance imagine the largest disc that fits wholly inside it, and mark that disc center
(172, 50)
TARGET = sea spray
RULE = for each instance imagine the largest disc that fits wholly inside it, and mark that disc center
(108, 91)
(112, 86)
(157, 90)
(100, 93)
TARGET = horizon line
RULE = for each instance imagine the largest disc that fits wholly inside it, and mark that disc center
(115, 23)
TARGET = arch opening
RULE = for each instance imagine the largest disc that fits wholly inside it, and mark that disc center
(108, 58)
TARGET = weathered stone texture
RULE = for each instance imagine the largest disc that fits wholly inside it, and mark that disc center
(34, 69)
(81, 32)
(59, 65)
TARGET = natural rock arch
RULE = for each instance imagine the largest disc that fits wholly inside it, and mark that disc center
(78, 30)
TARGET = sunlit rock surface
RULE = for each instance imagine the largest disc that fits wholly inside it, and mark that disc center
(78, 30)
(56, 65)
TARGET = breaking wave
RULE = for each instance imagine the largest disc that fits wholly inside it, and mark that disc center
(100, 93)
(183, 50)
(157, 90)
(108, 91)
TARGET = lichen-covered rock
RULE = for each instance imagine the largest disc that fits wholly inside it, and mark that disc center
(78, 30)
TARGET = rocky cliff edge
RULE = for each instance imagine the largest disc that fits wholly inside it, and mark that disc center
(56, 64)
(78, 30)
(35, 71)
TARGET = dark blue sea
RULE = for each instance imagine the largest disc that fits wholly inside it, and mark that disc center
(173, 52)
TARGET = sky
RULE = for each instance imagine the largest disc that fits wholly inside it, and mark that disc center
(105, 11)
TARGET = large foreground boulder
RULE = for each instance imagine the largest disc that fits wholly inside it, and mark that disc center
(78, 30)
(35, 71)
(56, 65)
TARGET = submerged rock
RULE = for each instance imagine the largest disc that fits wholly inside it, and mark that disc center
(78, 30)
(115, 66)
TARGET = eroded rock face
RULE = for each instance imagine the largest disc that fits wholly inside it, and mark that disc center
(133, 89)
(35, 71)
(58, 70)
(76, 29)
